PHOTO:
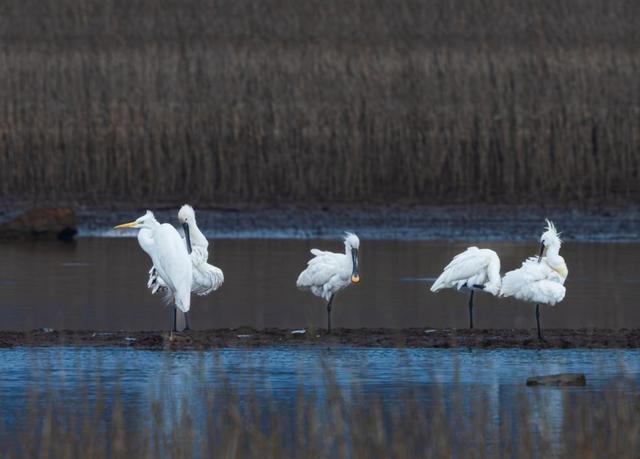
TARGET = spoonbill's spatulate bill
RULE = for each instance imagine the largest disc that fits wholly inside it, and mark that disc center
(541, 279)
(170, 258)
(206, 277)
(327, 273)
(473, 269)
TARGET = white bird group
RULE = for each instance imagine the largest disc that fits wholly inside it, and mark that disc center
(180, 267)
(539, 280)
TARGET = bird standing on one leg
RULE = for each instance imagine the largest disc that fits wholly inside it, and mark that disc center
(328, 273)
(473, 269)
(170, 258)
(540, 279)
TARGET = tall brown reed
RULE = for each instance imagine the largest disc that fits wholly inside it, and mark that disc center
(319, 101)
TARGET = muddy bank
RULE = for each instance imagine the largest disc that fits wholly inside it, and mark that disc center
(405, 222)
(378, 337)
(451, 222)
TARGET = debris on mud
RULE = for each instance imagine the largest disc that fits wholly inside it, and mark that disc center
(360, 337)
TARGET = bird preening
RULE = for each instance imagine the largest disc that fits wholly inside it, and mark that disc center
(539, 280)
(179, 265)
(474, 269)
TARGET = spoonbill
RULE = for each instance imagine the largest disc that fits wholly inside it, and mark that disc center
(170, 258)
(540, 279)
(327, 273)
(474, 269)
(206, 277)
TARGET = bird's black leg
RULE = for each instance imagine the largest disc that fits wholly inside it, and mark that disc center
(538, 322)
(186, 321)
(471, 310)
(329, 314)
(175, 319)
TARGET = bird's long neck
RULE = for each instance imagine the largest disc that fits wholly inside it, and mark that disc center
(347, 251)
(197, 238)
(553, 250)
(152, 224)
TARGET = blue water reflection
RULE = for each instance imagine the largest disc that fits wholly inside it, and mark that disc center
(277, 375)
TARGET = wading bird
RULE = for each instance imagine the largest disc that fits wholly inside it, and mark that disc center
(170, 258)
(541, 279)
(327, 273)
(206, 278)
(474, 269)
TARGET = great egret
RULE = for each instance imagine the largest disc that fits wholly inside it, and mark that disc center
(474, 269)
(327, 273)
(541, 279)
(169, 256)
(206, 278)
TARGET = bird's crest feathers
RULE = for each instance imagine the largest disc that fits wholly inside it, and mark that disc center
(551, 234)
(351, 240)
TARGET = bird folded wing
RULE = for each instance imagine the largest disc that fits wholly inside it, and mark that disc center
(463, 266)
(206, 279)
(199, 255)
(319, 271)
(320, 253)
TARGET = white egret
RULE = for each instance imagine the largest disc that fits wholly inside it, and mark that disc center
(206, 278)
(474, 269)
(170, 258)
(327, 273)
(541, 279)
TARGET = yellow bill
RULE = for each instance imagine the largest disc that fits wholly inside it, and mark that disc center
(355, 278)
(126, 225)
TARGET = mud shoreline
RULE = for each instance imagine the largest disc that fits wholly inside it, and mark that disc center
(453, 222)
(245, 337)
(399, 222)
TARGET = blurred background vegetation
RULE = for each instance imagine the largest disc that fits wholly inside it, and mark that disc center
(290, 101)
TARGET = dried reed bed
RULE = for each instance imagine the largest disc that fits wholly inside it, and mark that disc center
(320, 101)
(444, 421)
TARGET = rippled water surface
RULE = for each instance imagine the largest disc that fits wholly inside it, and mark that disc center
(97, 283)
(277, 375)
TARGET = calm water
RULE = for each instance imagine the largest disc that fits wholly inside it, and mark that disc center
(276, 375)
(101, 284)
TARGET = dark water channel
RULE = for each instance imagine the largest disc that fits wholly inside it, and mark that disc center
(100, 283)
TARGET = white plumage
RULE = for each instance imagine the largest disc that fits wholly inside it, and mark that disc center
(206, 277)
(535, 282)
(473, 269)
(169, 256)
(327, 273)
(540, 279)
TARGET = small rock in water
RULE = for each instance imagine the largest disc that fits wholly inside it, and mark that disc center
(562, 379)
(128, 338)
(41, 223)
(46, 330)
(302, 331)
(430, 331)
(243, 336)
